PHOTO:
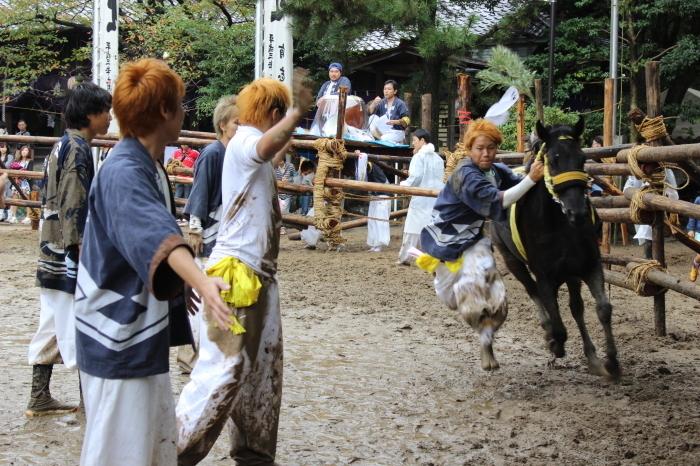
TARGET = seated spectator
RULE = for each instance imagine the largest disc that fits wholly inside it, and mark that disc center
(389, 118)
(307, 169)
(332, 86)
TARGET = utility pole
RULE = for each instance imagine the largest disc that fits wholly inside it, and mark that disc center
(552, 26)
(614, 48)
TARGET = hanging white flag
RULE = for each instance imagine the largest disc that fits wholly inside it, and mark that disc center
(498, 113)
(274, 49)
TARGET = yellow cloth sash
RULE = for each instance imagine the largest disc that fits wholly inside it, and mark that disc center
(244, 286)
(429, 263)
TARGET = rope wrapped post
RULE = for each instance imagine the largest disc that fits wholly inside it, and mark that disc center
(452, 159)
(328, 209)
(653, 88)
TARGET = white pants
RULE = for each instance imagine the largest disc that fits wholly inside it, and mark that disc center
(237, 377)
(128, 421)
(410, 240)
(55, 338)
(187, 354)
(477, 290)
(378, 232)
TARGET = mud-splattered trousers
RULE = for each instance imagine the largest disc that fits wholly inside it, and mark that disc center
(237, 377)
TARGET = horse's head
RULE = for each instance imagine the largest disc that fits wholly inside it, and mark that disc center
(564, 175)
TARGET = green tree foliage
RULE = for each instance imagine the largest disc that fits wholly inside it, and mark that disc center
(506, 69)
(34, 40)
(210, 43)
(552, 116)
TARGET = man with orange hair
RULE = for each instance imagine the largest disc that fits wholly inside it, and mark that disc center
(238, 375)
(466, 278)
(129, 307)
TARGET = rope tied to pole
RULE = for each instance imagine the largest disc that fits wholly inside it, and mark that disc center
(637, 276)
(328, 211)
(652, 129)
(452, 159)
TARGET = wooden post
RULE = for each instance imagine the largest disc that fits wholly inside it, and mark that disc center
(342, 101)
(653, 88)
(463, 98)
(608, 106)
(426, 113)
(538, 100)
(521, 123)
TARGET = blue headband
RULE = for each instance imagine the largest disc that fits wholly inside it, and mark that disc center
(338, 66)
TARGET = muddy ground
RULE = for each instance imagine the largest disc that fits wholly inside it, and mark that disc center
(377, 372)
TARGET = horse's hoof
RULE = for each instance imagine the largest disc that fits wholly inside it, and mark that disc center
(612, 366)
(556, 348)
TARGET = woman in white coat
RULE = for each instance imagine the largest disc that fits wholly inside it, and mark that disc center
(426, 171)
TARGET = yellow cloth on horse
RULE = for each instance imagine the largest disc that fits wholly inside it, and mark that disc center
(429, 263)
(244, 286)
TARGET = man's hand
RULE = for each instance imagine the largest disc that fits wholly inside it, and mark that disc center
(195, 240)
(691, 234)
(536, 171)
(301, 92)
(209, 291)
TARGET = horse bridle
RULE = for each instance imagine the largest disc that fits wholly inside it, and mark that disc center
(556, 184)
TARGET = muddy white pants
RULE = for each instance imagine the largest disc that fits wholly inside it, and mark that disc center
(476, 290)
(410, 240)
(237, 377)
(128, 421)
(378, 232)
(54, 340)
(187, 354)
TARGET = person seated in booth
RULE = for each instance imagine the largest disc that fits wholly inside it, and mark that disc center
(332, 86)
(390, 116)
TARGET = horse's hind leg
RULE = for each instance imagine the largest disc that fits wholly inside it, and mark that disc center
(576, 305)
(596, 284)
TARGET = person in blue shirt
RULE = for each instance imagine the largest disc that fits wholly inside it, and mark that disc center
(332, 86)
(394, 111)
(129, 304)
(461, 257)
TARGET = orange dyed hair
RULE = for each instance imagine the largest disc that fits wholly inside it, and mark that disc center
(257, 100)
(143, 88)
(482, 127)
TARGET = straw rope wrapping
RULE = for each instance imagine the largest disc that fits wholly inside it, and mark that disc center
(451, 161)
(652, 129)
(327, 201)
(637, 276)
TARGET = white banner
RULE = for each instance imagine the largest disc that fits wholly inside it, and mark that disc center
(498, 113)
(274, 48)
(105, 46)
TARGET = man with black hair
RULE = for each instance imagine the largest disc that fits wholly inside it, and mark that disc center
(67, 179)
(390, 115)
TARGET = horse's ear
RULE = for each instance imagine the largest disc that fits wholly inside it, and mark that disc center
(542, 132)
(580, 125)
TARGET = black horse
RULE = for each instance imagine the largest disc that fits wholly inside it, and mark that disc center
(558, 228)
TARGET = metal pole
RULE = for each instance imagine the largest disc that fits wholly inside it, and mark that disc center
(614, 49)
(552, 25)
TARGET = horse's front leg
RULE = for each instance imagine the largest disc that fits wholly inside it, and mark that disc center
(577, 308)
(596, 284)
(556, 333)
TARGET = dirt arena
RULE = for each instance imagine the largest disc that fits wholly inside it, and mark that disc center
(377, 372)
